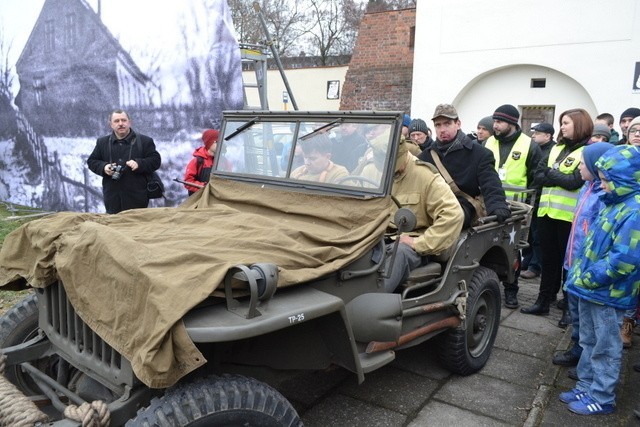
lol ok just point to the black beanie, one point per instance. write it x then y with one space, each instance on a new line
418 125
507 113
630 112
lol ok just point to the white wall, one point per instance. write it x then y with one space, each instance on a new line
309 87
482 54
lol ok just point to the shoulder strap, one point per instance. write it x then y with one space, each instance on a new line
443 171
445 174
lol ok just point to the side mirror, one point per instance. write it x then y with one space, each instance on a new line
405 220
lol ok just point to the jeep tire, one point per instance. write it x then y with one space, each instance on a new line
18 325
466 351
228 400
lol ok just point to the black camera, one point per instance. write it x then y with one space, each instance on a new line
117 172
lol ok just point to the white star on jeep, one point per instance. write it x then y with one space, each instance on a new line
512 236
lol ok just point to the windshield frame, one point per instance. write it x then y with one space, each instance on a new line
303 126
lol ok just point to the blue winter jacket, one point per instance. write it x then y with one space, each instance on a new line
608 269
589 203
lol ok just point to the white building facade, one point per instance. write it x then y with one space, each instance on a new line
314 89
542 56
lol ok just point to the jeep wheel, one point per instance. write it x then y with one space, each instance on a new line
466 351
228 400
19 324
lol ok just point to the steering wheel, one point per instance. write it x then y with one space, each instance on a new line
358 178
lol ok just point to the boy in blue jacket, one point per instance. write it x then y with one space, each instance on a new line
605 278
587 210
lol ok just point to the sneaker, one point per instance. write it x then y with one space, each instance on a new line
627 332
587 406
528 274
573 395
573 374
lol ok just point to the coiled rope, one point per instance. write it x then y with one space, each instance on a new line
16 410
94 414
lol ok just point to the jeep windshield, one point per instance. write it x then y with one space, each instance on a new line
338 152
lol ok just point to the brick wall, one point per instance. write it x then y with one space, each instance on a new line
380 71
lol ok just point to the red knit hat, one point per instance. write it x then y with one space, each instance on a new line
209 136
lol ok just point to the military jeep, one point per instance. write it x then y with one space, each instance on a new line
163 314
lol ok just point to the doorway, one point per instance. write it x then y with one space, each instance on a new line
534 114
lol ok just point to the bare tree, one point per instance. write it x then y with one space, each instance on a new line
382 5
286 21
245 21
334 27
6 70
211 73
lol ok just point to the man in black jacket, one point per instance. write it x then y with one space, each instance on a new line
124 159
471 166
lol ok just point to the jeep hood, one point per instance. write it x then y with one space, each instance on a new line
132 276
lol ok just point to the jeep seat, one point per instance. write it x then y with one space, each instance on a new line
429 271
433 268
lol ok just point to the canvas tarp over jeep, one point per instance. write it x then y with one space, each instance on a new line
146 310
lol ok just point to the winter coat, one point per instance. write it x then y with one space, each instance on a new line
198 169
587 210
130 191
471 167
506 143
548 177
439 217
589 202
607 271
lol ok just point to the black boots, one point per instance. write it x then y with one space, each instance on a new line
566 319
511 298
566 315
541 306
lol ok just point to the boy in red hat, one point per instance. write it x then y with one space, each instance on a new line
199 168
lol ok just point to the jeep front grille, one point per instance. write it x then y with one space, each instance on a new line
78 343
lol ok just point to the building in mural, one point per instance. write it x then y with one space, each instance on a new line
72 66
77 65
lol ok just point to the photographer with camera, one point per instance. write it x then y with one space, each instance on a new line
124 159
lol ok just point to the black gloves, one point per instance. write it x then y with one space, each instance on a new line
502 214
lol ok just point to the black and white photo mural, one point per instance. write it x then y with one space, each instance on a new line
66 64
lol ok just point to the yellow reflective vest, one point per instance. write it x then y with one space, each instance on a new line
557 202
514 170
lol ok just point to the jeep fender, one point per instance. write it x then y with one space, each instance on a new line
289 308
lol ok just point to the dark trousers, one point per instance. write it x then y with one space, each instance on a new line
531 255
553 235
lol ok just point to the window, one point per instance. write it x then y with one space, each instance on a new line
49 35
38 88
70 31
538 83
333 89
